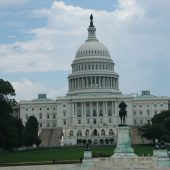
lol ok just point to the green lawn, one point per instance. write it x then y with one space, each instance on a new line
71 153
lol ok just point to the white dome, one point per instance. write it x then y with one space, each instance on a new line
92 48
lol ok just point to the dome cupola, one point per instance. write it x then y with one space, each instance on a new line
93 68
92 47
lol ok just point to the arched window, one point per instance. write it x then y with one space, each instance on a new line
111 132
71 132
87 132
79 133
95 132
103 132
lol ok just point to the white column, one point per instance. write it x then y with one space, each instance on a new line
95 84
104 82
72 106
82 107
91 109
106 108
97 109
91 81
103 108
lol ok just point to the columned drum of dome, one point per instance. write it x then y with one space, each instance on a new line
93 69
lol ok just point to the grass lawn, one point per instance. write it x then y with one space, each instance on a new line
71 153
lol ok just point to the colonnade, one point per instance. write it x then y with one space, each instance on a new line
93 82
81 109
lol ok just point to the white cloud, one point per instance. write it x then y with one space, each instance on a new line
136 34
26 89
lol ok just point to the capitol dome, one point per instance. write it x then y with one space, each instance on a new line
93 68
92 48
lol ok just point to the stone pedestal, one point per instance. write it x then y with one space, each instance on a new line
87 160
123 145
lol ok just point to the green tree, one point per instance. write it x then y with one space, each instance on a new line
8 131
19 129
159 128
31 131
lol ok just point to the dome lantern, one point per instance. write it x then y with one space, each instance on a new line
91 29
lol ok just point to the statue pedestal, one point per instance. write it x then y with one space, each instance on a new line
87 160
123 145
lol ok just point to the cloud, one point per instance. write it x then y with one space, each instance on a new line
26 89
136 34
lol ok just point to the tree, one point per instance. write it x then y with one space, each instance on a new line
8 131
159 128
31 131
19 129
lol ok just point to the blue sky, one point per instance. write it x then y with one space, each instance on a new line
39 39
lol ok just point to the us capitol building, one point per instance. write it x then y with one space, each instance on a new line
90 108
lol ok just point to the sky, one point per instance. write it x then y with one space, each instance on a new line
39 40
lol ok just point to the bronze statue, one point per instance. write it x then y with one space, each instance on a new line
122 112
91 21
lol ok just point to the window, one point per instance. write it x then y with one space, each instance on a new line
32 108
79 133
134 105
140 105
40 116
109 112
79 121
140 113
47 108
110 120
103 132
111 132
64 105
53 108
100 113
94 113
94 121
88 113
64 122
40 108
48 124
26 116
26 109
64 113
155 105
161 105
71 132
54 116
88 121
134 112
101 120
40 124
134 122
141 121
87 132
48 116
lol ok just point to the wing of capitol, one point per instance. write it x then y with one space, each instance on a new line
89 112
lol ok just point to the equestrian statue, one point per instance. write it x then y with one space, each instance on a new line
122 112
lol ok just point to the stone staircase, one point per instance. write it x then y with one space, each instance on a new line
137 138
50 137
55 137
